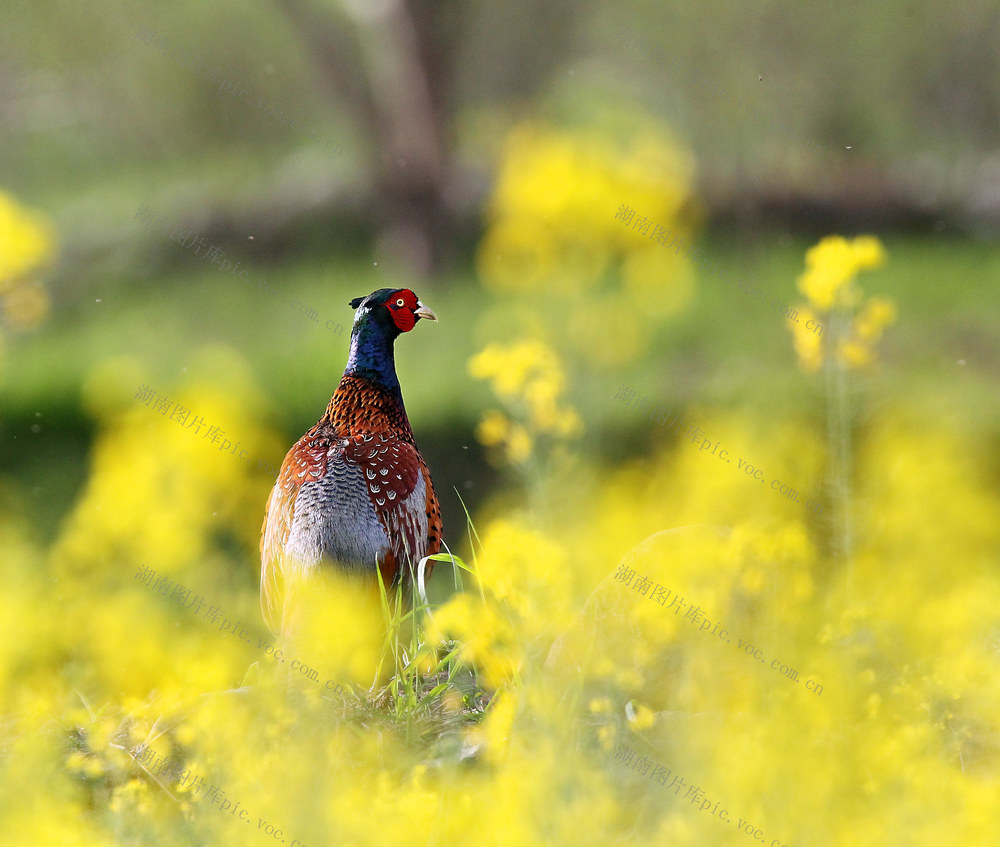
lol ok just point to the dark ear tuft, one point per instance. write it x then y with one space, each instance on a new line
357 301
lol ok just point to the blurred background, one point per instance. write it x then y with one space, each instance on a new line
623 215
332 148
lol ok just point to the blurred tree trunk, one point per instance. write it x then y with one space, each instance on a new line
393 71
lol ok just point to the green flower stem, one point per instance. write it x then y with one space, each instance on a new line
839 437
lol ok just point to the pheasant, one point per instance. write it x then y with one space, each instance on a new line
354 491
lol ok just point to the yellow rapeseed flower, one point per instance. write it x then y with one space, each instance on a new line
27 245
27 242
606 736
509 367
519 444
600 706
830 266
493 429
485 638
497 727
877 314
868 252
569 424
640 717
553 233
808 343
854 354
528 377
825 324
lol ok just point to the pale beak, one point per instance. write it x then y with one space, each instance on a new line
425 312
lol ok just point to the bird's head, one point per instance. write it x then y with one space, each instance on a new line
393 310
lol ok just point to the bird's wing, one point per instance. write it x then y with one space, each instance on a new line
402 496
434 524
305 462
359 500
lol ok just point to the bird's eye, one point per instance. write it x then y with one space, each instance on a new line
400 302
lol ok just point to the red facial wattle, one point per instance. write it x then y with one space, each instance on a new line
402 306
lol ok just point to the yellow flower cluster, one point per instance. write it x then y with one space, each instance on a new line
529 378
27 246
553 236
583 663
836 319
162 480
832 265
486 638
552 210
523 577
857 349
